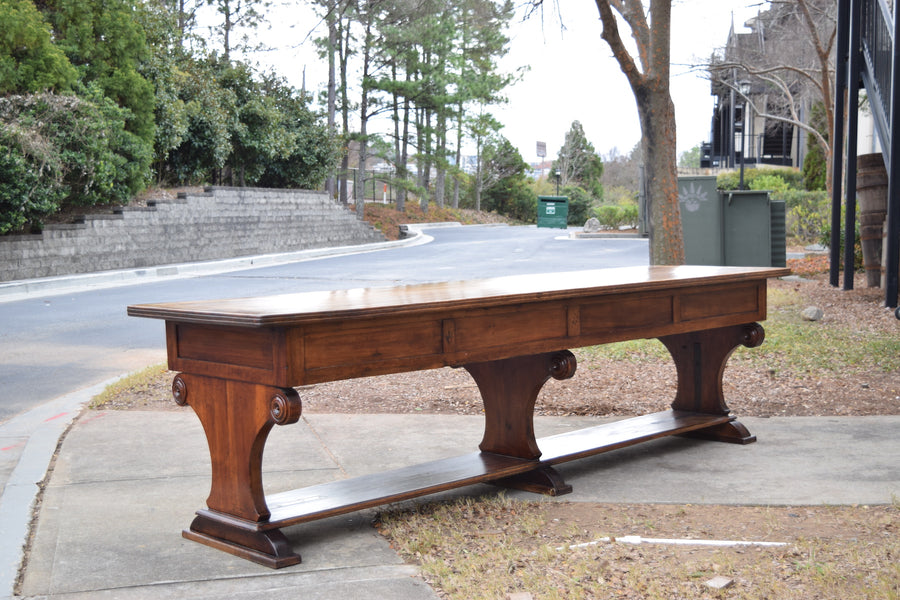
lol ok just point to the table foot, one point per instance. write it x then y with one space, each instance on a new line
544 480
731 433
268 548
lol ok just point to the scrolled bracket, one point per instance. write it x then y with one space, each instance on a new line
285 407
753 335
563 364
179 391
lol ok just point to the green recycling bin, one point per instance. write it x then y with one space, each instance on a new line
553 211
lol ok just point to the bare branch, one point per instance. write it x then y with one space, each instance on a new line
632 12
760 72
611 35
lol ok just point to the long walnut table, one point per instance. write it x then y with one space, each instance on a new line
240 360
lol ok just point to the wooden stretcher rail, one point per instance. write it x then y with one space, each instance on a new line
240 361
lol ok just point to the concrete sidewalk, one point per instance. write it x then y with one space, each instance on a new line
126 483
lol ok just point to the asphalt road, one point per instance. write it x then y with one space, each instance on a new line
50 346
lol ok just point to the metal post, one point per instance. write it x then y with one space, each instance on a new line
837 177
731 121
852 126
892 264
743 146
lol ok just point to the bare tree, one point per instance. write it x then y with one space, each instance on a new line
788 60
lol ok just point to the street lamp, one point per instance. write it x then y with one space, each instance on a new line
557 181
745 89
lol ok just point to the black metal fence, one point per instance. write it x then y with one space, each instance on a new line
877 45
378 186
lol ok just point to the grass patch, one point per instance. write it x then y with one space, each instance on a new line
132 383
493 547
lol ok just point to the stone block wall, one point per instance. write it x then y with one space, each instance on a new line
220 223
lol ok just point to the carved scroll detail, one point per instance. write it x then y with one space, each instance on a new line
562 365
753 335
285 407
179 391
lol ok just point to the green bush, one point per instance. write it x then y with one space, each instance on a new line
30 172
814 166
793 178
513 197
579 205
614 216
772 183
808 213
78 150
29 60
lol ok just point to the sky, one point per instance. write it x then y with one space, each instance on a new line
572 76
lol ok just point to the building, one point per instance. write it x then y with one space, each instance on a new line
745 128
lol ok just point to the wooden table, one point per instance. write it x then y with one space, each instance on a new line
240 360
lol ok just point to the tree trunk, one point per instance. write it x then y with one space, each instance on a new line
344 51
458 172
441 175
657 117
360 186
332 95
403 170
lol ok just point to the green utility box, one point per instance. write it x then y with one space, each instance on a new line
553 211
730 228
701 220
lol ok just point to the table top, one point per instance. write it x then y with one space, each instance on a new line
308 307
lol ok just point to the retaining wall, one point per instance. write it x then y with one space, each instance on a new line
219 223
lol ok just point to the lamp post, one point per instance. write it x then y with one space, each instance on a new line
745 89
557 181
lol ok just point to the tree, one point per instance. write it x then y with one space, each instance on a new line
29 61
479 82
649 81
578 164
503 181
105 43
815 163
623 170
236 15
309 150
244 129
430 65
483 127
690 158
184 13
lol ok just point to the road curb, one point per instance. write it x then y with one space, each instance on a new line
44 426
12 291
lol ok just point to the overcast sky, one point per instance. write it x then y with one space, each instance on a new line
572 75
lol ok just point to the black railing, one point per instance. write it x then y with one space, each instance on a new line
877 45
879 70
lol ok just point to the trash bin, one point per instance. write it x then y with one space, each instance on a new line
553 211
747 229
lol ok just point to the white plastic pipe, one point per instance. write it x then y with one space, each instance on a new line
636 540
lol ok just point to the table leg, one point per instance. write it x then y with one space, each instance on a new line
237 418
700 359
509 388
